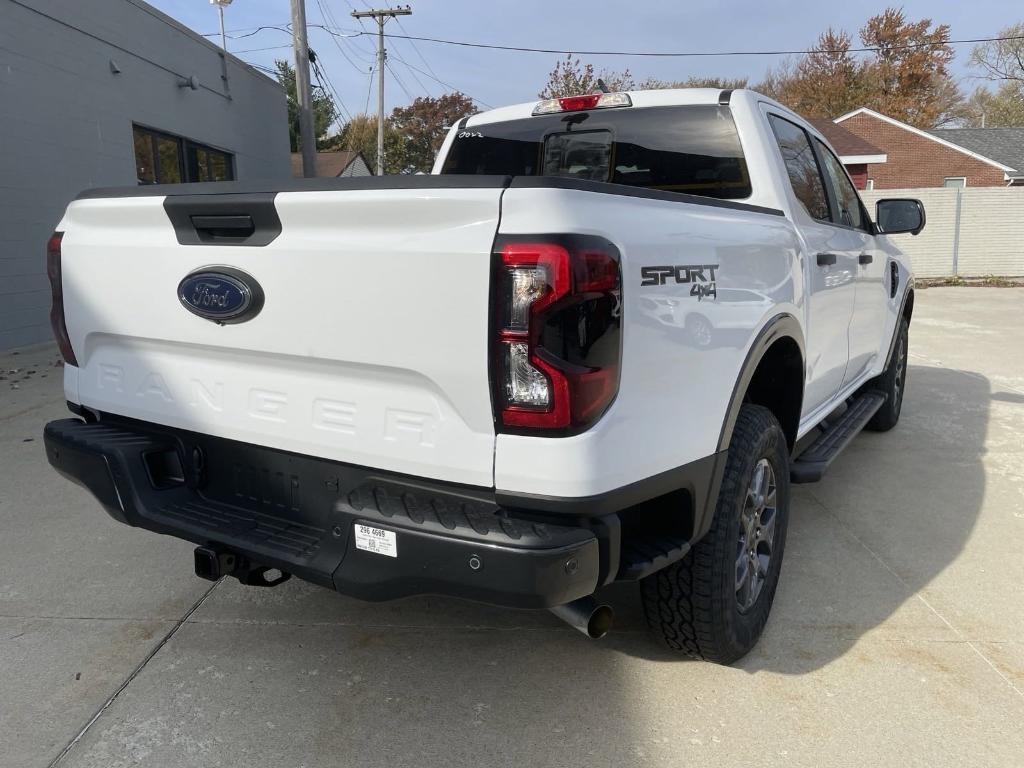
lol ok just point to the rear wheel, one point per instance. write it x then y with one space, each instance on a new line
892 383
714 603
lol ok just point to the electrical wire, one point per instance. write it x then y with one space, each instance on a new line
322 77
414 76
369 90
399 81
674 54
254 50
583 52
261 68
362 26
324 14
449 86
416 48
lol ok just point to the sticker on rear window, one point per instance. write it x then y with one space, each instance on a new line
376 540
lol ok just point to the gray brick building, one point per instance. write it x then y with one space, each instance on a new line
113 92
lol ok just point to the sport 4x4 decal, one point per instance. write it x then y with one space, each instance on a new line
702 276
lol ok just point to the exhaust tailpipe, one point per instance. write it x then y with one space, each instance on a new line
591 618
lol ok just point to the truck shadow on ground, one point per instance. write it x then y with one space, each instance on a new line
893 511
298 672
891 514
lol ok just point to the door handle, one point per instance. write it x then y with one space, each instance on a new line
221 225
865 258
825 259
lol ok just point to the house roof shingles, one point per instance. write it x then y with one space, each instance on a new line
328 164
1004 145
845 142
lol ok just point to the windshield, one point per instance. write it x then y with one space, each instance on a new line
681 149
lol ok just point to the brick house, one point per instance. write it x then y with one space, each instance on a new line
855 153
919 158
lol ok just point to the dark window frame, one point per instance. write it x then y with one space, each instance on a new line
820 147
826 187
186 150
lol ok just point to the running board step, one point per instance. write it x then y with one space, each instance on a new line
811 464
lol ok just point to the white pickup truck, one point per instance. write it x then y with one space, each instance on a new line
598 343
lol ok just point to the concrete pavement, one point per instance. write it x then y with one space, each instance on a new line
896 638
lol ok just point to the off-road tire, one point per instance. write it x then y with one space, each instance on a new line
892 383
692 605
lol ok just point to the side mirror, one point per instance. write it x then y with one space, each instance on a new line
894 216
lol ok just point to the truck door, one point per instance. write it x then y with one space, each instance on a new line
869 306
830 269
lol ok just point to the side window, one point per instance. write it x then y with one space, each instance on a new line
804 174
849 212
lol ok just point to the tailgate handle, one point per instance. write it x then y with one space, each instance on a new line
212 227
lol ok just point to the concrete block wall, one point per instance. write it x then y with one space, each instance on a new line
66 122
988 241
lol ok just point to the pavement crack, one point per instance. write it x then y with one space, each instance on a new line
127 681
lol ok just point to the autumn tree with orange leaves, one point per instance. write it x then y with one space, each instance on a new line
905 76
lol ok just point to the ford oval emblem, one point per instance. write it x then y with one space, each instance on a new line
221 294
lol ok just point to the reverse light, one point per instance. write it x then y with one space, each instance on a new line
57 322
556 304
578 103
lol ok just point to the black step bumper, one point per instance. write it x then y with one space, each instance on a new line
297 514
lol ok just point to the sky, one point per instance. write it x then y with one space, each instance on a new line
495 78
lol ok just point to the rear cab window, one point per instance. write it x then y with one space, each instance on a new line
689 149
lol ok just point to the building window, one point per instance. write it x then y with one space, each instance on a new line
162 158
954 181
869 185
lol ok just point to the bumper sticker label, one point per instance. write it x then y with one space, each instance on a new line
376 540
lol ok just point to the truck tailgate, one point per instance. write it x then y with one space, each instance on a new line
371 347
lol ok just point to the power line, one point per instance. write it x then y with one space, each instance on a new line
369 90
330 20
321 76
436 79
399 81
362 26
324 13
268 48
449 86
673 54
414 76
255 31
339 31
416 48
260 67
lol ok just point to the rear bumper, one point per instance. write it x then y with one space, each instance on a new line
297 513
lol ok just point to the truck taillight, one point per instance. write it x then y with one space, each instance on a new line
556 305
60 328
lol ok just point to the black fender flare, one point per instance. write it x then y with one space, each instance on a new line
780 326
908 293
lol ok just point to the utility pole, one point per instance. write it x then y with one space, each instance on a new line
381 16
307 139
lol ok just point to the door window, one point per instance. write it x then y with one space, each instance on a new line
847 199
802 167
